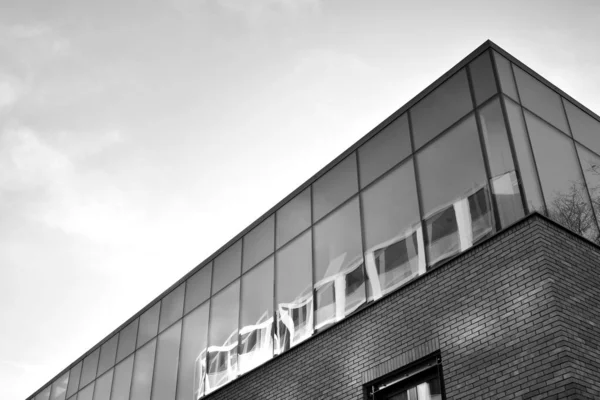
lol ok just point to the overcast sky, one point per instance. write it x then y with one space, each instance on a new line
137 136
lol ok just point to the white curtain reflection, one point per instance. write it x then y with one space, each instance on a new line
256 343
222 363
294 321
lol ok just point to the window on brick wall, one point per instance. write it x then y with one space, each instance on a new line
418 382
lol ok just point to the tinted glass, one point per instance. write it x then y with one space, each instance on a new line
256 329
59 387
339 271
507 193
122 379
384 150
171 308
143 367
148 325
44 394
454 192
294 293
585 128
127 338
505 74
259 243
86 393
197 290
223 337
192 365
227 266
482 76
393 236
103 384
441 108
90 366
540 99
167 361
74 376
293 217
566 196
590 164
336 186
108 352
524 156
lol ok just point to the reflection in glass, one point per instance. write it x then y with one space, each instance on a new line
74 376
590 164
441 108
566 196
585 128
127 338
59 387
171 308
197 288
103 384
108 352
482 75
259 243
222 360
143 367
506 76
86 393
167 360
293 217
122 379
192 365
148 325
505 189
90 365
227 266
340 280
384 150
44 394
336 186
294 293
395 251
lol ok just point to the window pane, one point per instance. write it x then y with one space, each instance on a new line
564 191
338 265
590 164
505 75
108 352
59 387
227 266
127 338
585 128
482 75
527 168
441 108
122 379
103 384
87 393
293 217
143 367
167 360
508 198
259 243
540 99
197 290
223 337
256 330
192 366
395 252
148 325
384 150
74 376
171 308
90 365
454 192
335 187
44 394
294 293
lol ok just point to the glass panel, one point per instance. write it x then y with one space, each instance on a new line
256 329
192 366
508 198
90 365
148 325
197 290
482 75
259 243
294 293
223 337
108 352
59 387
585 128
74 376
143 367
44 394
167 360
527 168
339 272
127 338
87 393
103 384
228 266
171 308
590 163
441 108
454 192
540 99
395 251
384 150
505 75
293 217
560 175
335 187
122 379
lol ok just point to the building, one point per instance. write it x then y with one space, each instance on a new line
452 253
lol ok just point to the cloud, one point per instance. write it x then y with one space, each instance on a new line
259 10
11 90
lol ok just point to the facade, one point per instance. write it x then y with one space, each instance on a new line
451 253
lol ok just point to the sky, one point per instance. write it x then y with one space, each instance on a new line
138 137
